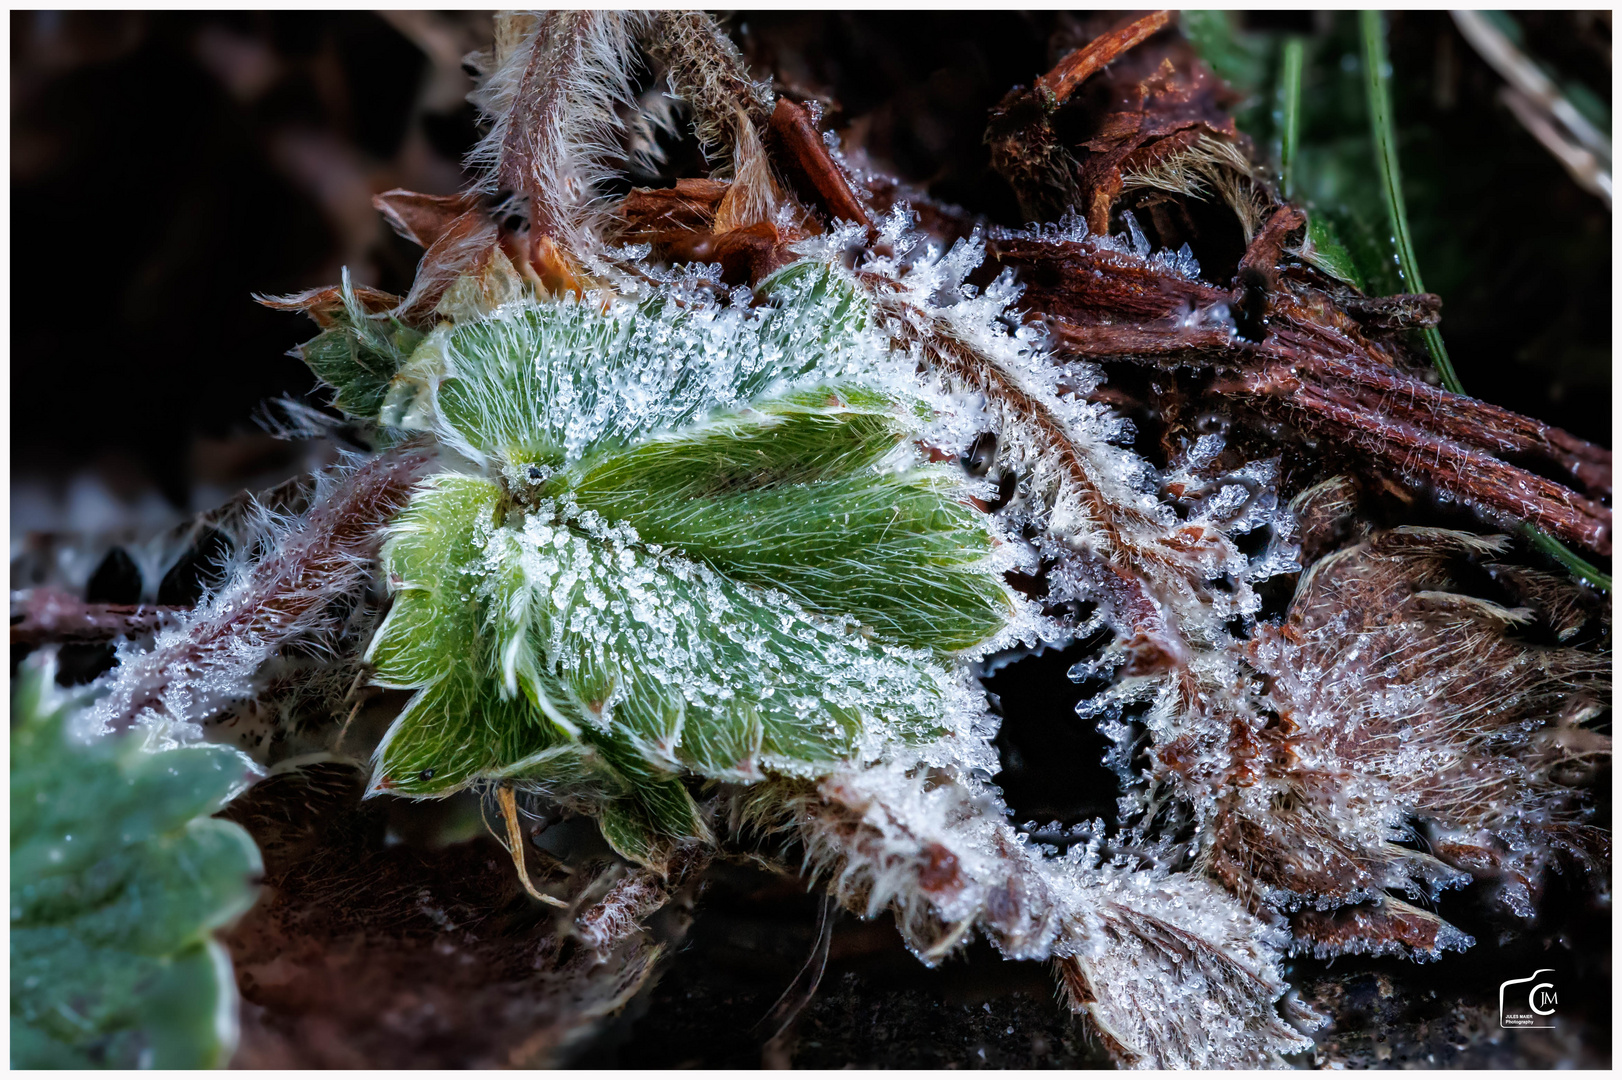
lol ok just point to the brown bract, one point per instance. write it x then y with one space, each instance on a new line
691 222
679 225
805 160
326 305
422 219
1377 927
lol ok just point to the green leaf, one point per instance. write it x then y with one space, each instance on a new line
514 387
1324 250
787 499
118 879
359 356
706 548
461 726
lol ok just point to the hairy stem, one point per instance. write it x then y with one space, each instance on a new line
288 594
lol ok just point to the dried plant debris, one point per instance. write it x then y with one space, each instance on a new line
370 952
698 514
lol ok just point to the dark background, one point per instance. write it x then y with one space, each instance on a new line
166 166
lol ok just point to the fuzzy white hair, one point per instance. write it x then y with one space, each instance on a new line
552 96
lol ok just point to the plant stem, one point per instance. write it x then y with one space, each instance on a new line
1291 67
1382 127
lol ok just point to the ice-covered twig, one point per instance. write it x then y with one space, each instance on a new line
1139 952
1140 562
1466 473
211 658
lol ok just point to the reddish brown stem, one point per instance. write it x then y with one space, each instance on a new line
1475 423
53 615
286 596
1418 454
1318 365
1077 67
1261 258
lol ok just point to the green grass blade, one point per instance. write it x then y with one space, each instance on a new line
1377 77
1291 67
1566 557
1382 127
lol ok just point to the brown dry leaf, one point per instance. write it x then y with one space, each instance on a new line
1393 696
676 222
422 219
1128 100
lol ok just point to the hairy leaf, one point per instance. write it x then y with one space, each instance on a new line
701 545
358 355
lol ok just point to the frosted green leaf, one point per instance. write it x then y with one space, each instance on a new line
702 547
787 498
118 879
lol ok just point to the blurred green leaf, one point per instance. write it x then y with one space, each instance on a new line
1240 60
118 879
1246 62
1305 104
